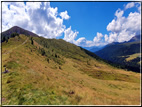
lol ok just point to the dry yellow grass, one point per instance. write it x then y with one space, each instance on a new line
133 56
32 80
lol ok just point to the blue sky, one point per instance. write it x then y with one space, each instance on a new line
90 17
85 24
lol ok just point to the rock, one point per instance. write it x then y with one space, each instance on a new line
6 71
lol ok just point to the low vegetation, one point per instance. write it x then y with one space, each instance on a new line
54 72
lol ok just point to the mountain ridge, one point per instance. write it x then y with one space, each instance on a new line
16 29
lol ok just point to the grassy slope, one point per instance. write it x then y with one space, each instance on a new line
133 56
32 80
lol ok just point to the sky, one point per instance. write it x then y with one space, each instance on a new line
84 24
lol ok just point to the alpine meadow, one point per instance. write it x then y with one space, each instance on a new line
45 61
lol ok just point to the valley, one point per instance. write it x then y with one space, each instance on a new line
125 55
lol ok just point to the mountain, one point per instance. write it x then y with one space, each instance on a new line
135 38
54 72
16 30
126 54
96 48
93 48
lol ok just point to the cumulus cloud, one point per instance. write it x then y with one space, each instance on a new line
64 15
119 13
133 4
38 17
81 41
98 37
70 35
130 5
112 37
106 37
116 24
13 14
97 41
124 28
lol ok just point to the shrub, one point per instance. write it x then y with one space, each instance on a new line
42 51
14 34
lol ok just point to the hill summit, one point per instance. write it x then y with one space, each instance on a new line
17 30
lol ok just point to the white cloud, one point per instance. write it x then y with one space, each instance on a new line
69 35
124 28
97 41
98 37
133 4
39 17
125 35
83 42
119 13
106 37
64 15
130 5
33 5
112 37
16 14
116 24
138 5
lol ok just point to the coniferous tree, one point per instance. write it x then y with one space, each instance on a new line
32 41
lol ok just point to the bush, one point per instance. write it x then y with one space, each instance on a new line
42 51
47 60
60 67
4 39
14 34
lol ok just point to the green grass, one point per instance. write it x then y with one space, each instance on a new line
12 65
99 74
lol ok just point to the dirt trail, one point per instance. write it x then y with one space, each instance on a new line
15 47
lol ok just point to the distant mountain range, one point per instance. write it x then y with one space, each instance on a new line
97 48
93 48
126 54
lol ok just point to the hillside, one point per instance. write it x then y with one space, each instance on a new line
126 54
55 72
15 30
